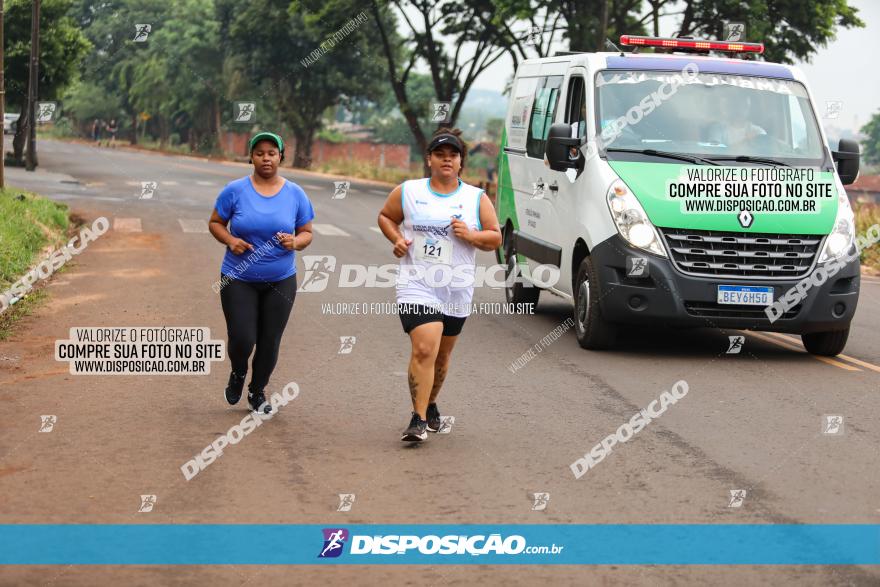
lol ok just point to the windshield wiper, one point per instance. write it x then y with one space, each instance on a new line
750 159
667 154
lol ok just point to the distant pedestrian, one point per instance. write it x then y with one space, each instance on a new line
96 130
112 129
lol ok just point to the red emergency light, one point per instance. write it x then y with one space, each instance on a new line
672 43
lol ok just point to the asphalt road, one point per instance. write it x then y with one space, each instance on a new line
751 421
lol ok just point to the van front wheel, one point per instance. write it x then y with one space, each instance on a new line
827 344
592 330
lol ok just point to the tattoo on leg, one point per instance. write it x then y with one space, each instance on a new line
439 377
413 387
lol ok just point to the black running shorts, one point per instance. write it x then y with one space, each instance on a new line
412 315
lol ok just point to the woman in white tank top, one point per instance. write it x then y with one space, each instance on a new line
436 225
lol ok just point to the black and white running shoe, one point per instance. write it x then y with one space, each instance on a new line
434 421
234 388
417 431
258 403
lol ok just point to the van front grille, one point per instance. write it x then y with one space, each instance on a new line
714 253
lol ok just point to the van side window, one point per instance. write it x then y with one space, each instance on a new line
576 106
521 103
543 113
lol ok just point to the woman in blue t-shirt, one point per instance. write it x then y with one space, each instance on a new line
269 218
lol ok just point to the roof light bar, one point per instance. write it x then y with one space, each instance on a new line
671 43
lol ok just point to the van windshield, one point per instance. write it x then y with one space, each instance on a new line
714 116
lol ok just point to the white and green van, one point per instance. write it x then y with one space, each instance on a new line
612 169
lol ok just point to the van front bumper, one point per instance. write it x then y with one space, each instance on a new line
664 295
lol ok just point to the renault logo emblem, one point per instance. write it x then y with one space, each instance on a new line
745 218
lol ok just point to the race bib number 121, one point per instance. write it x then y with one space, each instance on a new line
432 249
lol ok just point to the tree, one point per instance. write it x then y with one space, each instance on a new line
456 41
509 19
392 127
84 102
871 144
588 23
452 74
112 63
178 78
494 128
790 29
303 62
62 49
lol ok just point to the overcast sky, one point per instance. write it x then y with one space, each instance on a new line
846 70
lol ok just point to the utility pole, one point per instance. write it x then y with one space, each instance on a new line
31 156
2 107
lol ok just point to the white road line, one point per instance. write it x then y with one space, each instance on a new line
376 229
85 197
329 230
193 225
205 183
168 183
127 225
133 183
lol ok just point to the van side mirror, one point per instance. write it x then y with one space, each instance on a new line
559 142
847 158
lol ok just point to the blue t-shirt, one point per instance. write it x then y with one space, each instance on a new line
256 219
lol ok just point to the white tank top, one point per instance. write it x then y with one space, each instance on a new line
438 268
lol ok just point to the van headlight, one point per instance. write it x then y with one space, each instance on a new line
842 237
631 221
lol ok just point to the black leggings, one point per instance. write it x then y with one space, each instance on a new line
256 313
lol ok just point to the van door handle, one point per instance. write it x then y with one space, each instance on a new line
554 187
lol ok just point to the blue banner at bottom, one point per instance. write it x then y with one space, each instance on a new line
613 544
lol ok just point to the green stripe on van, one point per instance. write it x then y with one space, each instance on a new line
505 202
648 181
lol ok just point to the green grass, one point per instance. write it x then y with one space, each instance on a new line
146 143
54 131
867 215
154 145
28 224
23 308
366 170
